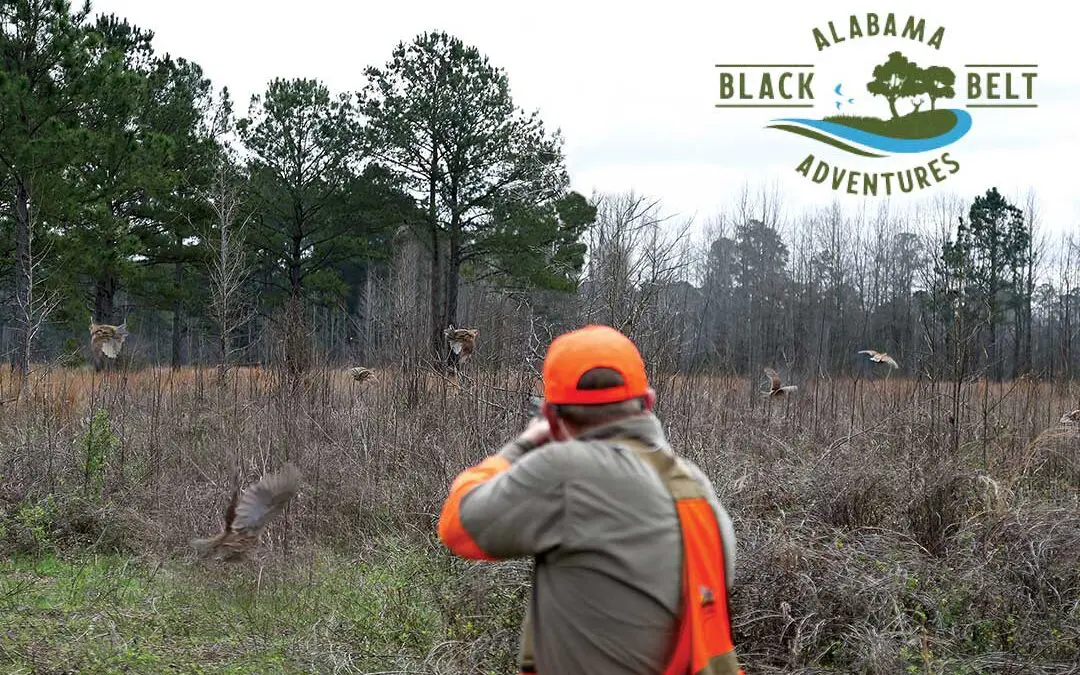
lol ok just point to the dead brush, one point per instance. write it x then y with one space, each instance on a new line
866 543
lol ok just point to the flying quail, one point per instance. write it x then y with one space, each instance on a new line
107 340
248 515
360 374
778 390
880 357
462 341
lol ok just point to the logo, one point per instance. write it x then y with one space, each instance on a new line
895 108
706 596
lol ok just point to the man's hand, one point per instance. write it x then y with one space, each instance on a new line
536 433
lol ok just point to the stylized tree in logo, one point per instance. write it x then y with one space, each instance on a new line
894 79
938 83
900 78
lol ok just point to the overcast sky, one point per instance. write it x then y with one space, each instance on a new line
633 89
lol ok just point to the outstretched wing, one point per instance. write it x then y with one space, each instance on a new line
111 347
456 347
869 352
774 376
890 360
261 502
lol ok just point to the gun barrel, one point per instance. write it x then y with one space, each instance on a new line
534 406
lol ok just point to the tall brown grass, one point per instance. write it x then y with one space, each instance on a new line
865 542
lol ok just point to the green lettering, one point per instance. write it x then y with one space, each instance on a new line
766 90
1029 77
851 182
920 175
945 160
974 89
835 38
935 39
820 40
727 86
870 184
888 182
872 25
890 26
938 176
900 178
783 91
913 31
853 27
837 177
804 166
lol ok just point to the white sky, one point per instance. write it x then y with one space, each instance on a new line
633 88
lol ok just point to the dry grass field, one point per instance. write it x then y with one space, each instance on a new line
884 526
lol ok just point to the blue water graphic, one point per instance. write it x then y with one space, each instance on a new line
886 144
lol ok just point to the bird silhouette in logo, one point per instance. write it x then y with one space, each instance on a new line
839 103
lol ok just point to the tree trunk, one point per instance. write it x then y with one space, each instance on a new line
23 335
295 261
177 323
437 317
104 296
453 270
892 107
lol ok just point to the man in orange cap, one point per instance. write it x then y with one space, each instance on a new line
634 553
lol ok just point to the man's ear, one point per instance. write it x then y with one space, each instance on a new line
558 429
650 399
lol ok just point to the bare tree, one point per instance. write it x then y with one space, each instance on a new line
34 304
633 256
228 265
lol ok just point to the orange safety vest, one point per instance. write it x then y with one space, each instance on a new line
703 644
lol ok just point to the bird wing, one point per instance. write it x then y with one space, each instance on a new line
774 376
890 360
263 501
230 513
791 388
456 347
869 352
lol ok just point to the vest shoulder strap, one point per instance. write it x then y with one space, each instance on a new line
672 470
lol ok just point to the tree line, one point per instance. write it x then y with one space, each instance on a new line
355 226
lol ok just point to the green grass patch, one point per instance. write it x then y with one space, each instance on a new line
320 613
926 124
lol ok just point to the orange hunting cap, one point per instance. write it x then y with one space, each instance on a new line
573 354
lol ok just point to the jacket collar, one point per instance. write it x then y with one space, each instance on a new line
644 427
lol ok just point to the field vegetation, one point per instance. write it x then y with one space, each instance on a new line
865 542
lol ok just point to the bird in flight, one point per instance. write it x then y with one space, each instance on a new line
360 374
462 342
249 514
107 340
881 357
777 389
838 103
